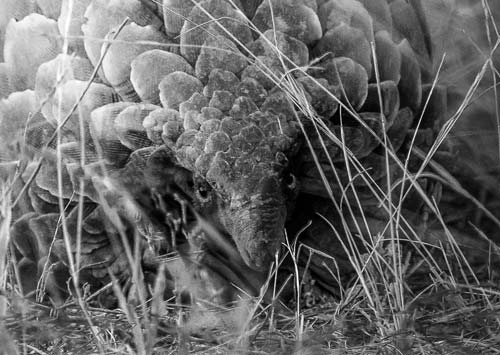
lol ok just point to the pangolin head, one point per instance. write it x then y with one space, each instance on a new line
242 178
235 130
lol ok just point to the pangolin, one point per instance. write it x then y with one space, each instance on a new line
225 109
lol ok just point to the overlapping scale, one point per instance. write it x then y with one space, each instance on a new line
407 26
27 245
177 87
150 67
102 16
249 7
351 77
129 126
130 42
433 111
13 9
294 18
351 12
39 132
388 57
28 252
163 125
68 95
5 88
383 97
50 8
410 87
155 6
175 12
16 111
284 49
219 52
380 13
48 180
100 253
54 73
70 23
28 43
104 134
346 41
398 131
206 20
325 96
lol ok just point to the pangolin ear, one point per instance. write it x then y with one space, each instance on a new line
165 175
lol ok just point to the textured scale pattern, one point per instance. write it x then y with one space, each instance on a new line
199 111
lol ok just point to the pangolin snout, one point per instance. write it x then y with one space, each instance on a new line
261 250
257 226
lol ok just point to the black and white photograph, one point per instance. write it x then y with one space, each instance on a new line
285 177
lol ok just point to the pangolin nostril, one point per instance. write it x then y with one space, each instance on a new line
264 250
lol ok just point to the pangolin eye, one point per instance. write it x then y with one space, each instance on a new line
290 181
203 192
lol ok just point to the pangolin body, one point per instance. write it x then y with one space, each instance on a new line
214 104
